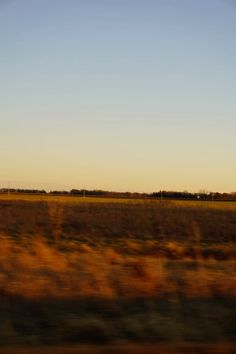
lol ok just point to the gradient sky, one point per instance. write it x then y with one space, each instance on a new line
134 95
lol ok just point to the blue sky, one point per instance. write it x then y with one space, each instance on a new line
118 94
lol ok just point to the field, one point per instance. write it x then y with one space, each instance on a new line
114 273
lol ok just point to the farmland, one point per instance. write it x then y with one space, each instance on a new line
100 271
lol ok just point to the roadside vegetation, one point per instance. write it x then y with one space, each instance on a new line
77 270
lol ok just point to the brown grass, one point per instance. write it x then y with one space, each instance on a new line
109 250
79 270
41 270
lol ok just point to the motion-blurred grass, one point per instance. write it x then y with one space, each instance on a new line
81 270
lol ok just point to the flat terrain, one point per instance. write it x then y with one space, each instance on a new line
81 271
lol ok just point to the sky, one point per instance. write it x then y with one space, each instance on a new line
122 95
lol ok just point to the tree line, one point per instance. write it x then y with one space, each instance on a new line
185 195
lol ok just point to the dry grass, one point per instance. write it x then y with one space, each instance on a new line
90 270
111 250
41 270
219 205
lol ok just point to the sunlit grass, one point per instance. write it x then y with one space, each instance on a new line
87 199
40 270
95 270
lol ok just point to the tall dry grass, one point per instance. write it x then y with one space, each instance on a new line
96 272
109 250
56 213
42 270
